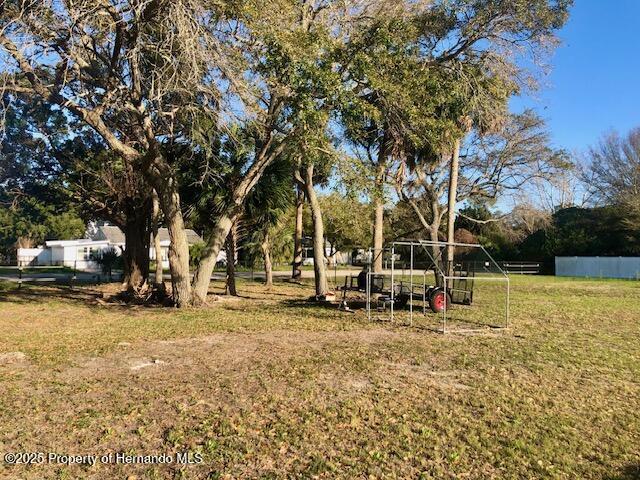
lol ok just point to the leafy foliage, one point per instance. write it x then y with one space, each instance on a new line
195 253
268 212
347 221
109 260
36 204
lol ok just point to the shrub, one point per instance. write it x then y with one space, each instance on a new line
109 260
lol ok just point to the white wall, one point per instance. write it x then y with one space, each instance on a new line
34 256
57 255
74 255
164 256
598 267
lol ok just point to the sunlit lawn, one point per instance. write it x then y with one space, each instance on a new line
270 386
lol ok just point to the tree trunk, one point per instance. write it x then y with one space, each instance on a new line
378 202
378 237
209 257
155 224
24 242
230 250
178 245
266 256
436 251
319 270
451 205
431 226
296 273
136 250
222 226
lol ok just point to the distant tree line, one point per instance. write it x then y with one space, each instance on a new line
592 209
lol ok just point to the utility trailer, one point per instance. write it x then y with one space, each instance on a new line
402 292
460 291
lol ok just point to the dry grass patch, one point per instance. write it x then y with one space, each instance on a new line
270 387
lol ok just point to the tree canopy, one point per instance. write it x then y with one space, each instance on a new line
211 108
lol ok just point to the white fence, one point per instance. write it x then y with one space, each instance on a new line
598 267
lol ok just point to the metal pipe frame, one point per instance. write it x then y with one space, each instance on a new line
500 275
393 258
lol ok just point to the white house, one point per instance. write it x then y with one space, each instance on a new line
115 237
76 254
34 256
333 257
79 253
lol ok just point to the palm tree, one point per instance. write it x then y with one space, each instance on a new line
266 208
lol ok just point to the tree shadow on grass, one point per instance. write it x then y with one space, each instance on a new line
107 295
309 303
40 293
630 472
88 295
382 318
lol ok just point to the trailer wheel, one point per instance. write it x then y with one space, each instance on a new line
438 300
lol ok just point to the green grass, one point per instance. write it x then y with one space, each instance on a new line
270 387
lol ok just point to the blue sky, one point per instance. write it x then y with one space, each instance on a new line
594 84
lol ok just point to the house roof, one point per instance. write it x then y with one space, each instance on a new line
192 236
76 242
111 233
114 235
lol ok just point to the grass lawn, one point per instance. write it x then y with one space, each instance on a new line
267 386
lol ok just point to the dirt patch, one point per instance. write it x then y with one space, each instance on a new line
222 299
221 350
347 385
13 357
140 364
447 379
